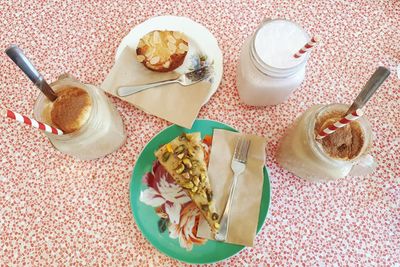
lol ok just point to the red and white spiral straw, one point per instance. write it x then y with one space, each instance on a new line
31 122
307 47
340 123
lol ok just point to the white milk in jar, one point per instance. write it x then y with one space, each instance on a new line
267 71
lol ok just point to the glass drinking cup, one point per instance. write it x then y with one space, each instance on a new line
301 154
261 84
101 134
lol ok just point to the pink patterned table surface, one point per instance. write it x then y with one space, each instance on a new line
55 209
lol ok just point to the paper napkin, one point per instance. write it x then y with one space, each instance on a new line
247 198
174 102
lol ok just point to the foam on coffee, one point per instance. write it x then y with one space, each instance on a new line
71 109
346 143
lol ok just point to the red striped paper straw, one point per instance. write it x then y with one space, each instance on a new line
307 47
340 123
31 122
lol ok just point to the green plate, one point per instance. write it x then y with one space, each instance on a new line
147 219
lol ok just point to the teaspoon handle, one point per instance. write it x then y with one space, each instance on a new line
19 58
379 76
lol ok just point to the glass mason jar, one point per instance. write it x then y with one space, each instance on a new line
301 154
260 83
101 134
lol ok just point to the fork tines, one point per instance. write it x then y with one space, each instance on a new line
199 74
241 149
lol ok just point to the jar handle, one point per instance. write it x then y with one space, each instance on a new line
64 76
265 20
363 166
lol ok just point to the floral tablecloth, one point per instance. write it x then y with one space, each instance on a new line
56 210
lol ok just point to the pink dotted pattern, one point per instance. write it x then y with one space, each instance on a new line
55 209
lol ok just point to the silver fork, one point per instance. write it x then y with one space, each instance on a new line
238 166
185 79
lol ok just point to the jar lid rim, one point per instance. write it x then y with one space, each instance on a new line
262 64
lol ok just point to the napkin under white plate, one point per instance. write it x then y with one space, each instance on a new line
175 103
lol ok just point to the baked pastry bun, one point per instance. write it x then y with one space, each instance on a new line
162 51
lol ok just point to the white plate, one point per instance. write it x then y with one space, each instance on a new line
201 42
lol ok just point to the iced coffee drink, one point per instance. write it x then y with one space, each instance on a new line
345 143
332 157
70 111
92 126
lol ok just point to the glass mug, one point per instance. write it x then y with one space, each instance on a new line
101 134
301 154
262 83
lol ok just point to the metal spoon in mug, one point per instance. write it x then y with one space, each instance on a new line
19 58
369 89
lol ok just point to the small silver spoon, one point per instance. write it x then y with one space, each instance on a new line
184 79
19 58
369 89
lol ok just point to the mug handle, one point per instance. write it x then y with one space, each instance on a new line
65 76
363 166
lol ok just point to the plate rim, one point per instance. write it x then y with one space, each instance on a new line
134 213
218 69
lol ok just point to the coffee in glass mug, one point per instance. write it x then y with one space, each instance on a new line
342 153
92 126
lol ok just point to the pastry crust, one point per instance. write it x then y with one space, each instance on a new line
183 159
162 51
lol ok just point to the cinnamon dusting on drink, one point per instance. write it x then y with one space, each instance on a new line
345 143
71 109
